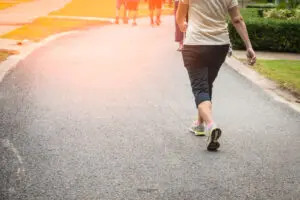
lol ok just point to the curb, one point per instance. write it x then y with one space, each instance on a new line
270 87
12 61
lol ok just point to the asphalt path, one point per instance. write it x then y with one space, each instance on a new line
103 114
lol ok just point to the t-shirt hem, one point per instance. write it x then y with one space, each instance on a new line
206 43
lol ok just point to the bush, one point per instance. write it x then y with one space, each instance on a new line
293 3
269 35
261 12
285 14
261 5
249 12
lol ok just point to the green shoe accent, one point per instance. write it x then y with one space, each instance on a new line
197 129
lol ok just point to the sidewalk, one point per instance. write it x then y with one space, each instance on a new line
23 13
268 55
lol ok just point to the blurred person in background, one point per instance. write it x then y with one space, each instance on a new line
179 36
119 3
155 5
132 7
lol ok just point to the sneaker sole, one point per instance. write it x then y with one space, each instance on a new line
197 133
213 143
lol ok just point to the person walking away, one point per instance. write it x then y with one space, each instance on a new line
119 3
205 48
155 5
179 36
132 6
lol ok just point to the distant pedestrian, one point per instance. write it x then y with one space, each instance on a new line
179 35
205 48
155 5
132 6
118 8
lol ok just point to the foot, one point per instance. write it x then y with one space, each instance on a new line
214 133
158 22
152 23
125 21
197 129
116 21
180 48
134 24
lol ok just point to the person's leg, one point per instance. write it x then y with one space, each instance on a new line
151 11
178 34
203 63
198 75
158 11
118 6
180 45
215 63
220 51
134 10
126 12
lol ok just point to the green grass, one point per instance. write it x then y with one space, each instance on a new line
4 54
99 8
284 72
249 13
44 27
92 8
261 1
6 4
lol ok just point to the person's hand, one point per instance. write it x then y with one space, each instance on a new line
251 56
183 26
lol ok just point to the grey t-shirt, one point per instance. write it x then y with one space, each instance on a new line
207 21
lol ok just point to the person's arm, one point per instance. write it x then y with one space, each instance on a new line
181 14
240 26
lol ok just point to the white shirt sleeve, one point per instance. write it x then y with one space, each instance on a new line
232 3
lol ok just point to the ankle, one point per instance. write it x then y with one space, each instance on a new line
209 124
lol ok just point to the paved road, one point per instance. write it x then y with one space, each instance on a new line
103 114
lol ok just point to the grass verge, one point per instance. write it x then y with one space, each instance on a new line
285 72
4 5
44 27
4 54
92 8
7 4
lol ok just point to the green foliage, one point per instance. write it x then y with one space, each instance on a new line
249 13
260 12
286 14
268 34
293 3
282 5
261 5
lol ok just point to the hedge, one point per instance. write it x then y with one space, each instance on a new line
269 35
260 5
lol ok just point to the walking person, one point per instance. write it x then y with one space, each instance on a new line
132 6
205 48
179 36
119 3
155 5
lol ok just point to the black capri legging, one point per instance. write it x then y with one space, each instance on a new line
203 63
